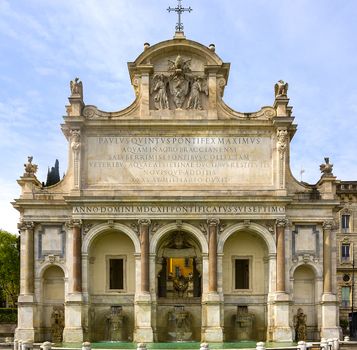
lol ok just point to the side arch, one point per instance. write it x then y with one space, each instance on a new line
316 269
253 227
98 229
197 233
40 272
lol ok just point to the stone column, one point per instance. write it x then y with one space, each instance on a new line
327 228
73 331
144 225
27 250
329 303
26 307
280 255
211 301
77 257
281 303
143 303
212 254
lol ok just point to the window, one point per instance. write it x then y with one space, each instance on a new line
345 296
241 273
345 222
345 251
116 273
346 278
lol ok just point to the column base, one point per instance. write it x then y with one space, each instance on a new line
73 331
212 332
142 308
213 335
281 331
73 335
143 335
25 325
329 311
25 334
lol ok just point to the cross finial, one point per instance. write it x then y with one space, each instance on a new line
179 9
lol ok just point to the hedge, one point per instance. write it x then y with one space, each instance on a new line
8 315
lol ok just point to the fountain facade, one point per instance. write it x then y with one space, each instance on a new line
57 324
179 324
244 323
115 324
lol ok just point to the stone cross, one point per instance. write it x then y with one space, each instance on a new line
179 9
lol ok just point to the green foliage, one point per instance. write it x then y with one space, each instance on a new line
8 315
9 266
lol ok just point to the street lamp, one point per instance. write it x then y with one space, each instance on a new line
352 329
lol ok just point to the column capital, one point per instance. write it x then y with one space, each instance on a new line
328 225
282 222
144 222
213 222
74 223
26 225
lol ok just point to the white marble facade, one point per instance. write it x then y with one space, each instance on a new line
178 175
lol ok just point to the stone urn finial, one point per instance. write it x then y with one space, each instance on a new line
326 168
30 169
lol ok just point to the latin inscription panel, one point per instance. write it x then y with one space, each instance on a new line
179 160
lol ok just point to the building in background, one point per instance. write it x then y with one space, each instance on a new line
346 255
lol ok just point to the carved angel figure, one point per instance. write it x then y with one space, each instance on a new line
160 87
326 168
281 88
30 169
76 87
194 100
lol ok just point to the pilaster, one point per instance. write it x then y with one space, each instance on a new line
143 304
329 302
281 330
211 302
26 309
73 331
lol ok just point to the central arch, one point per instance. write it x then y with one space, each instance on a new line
177 252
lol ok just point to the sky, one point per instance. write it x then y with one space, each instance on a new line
44 44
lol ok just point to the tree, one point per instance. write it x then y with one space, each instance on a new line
9 266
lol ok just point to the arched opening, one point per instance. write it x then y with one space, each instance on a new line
111 286
53 303
304 309
245 286
179 287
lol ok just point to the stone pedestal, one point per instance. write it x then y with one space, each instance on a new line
142 309
25 329
281 331
329 310
212 331
73 331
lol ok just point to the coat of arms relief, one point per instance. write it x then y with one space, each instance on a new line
179 88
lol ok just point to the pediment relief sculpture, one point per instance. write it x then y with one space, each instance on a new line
178 85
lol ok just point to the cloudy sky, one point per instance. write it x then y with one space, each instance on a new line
44 44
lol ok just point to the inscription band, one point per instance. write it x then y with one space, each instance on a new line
195 209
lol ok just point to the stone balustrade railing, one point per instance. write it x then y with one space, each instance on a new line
324 344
